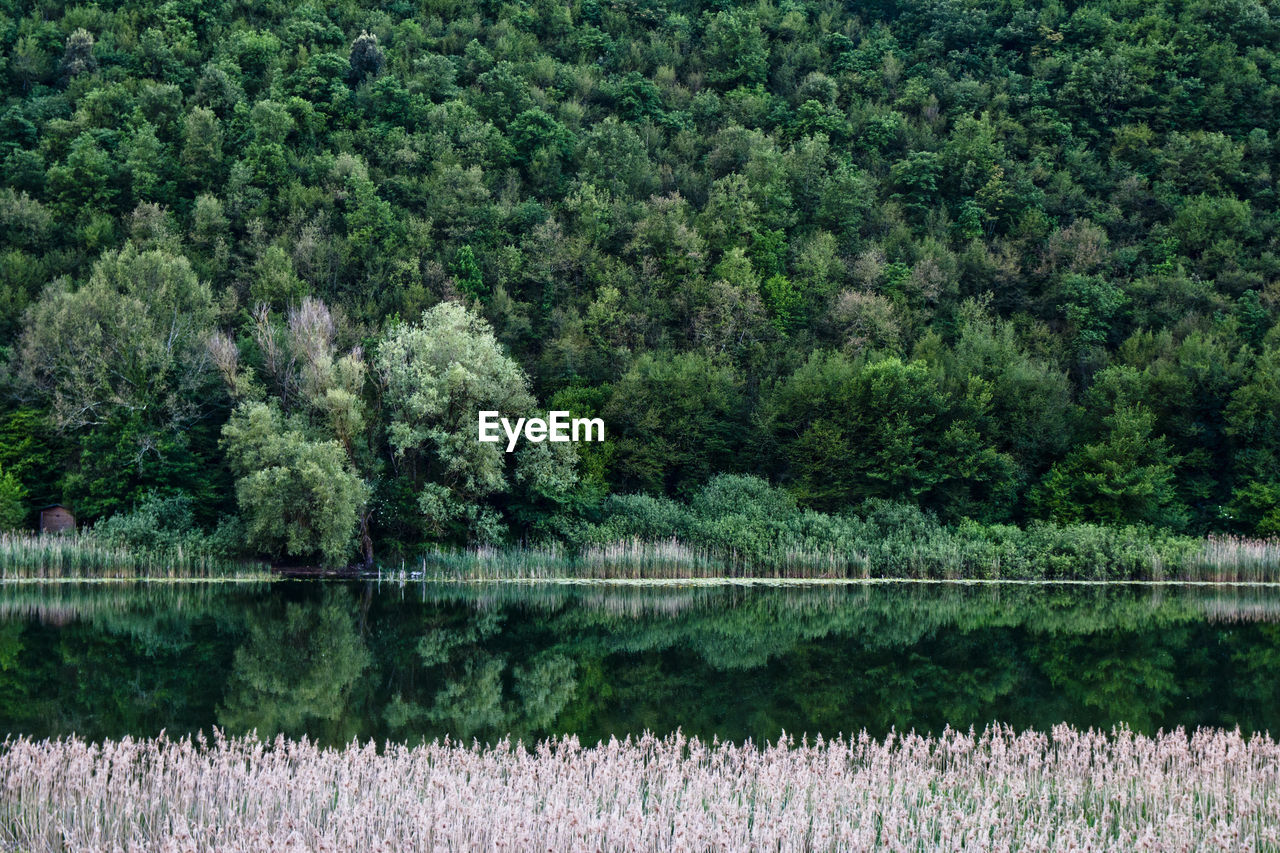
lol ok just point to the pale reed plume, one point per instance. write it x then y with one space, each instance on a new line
28 556
1062 790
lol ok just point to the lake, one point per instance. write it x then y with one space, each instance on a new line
335 661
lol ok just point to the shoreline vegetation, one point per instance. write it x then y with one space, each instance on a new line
1062 789
1072 555
1075 556
733 527
269 279
86 556
1040 553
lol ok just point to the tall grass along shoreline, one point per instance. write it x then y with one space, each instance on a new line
1065 789
83 556
1092 554
882 551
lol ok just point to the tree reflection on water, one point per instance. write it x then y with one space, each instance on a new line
341 661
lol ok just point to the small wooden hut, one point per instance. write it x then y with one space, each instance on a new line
56 518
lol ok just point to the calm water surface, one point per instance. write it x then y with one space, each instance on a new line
335 661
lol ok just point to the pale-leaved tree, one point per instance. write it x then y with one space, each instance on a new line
437 375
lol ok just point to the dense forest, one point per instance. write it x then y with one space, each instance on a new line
261 264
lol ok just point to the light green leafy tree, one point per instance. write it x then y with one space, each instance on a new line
132 339
736 50
466 271
784 301
316 391
438 374
298 495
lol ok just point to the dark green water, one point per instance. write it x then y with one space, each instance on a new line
337 661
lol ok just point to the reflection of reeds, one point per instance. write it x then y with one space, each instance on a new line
62 603
1047 606
1236 608
28 557
1052 607
1066 789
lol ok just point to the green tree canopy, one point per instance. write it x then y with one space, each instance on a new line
1125 478
437 375
298 495
848 430
676 420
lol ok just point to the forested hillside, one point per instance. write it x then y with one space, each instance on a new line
262 262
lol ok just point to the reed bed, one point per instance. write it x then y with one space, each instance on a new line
1060 790
668 559
1042 552
1234 559
81 556
629 559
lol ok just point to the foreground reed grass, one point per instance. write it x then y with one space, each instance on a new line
1063 790
24 556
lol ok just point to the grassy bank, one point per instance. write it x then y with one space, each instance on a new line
744 527
1064 790
1044 552
87 556
734 526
